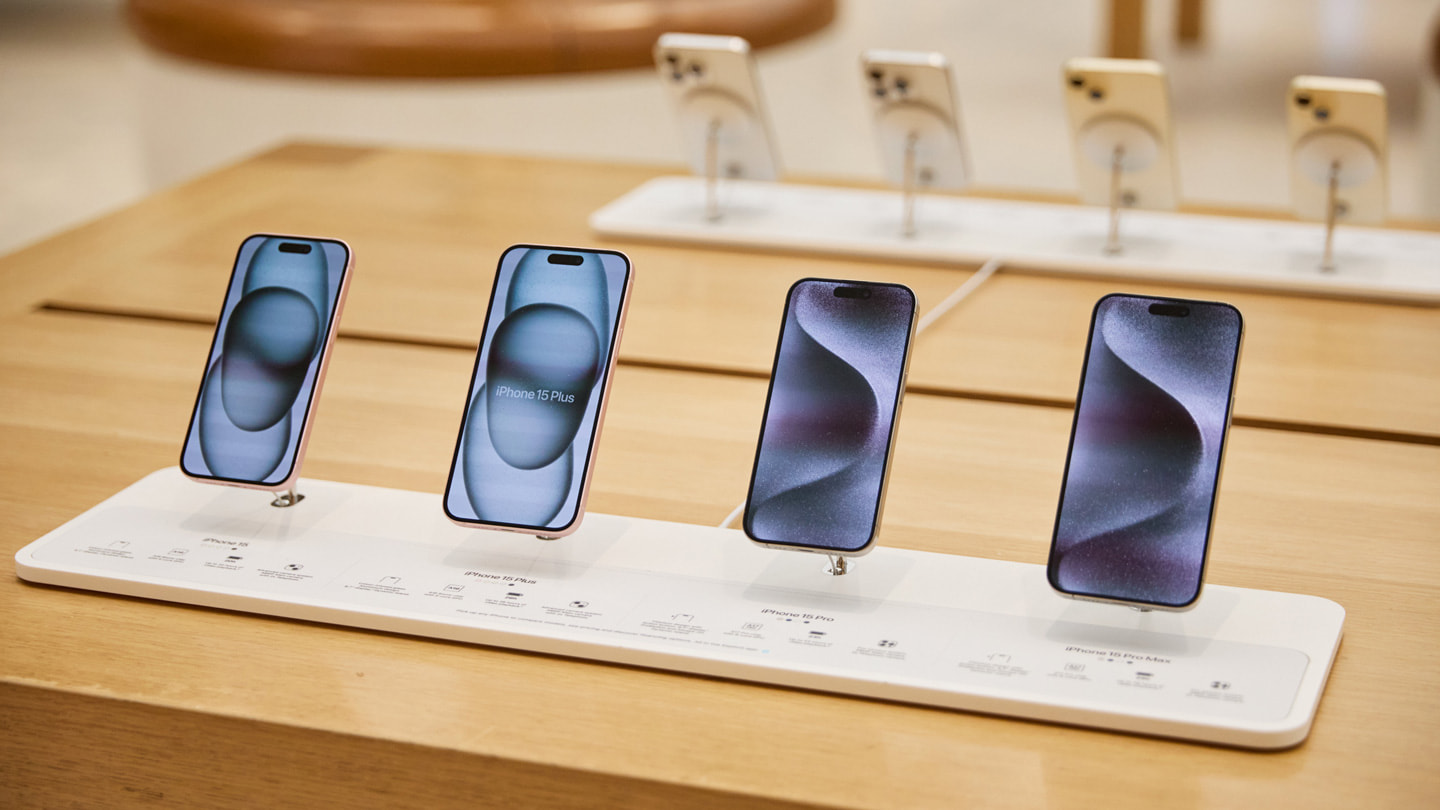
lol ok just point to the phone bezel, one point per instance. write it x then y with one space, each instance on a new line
890 443
331 330
602 401
1051 561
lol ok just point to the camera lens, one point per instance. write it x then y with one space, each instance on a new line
1322 114
1096 93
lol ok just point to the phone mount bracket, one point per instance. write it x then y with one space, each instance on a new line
1119 145
839 565
713 120
921 135
287 499
712 170
1335 160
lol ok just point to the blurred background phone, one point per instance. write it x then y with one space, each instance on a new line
1338 125
912 101
1121 103
715 90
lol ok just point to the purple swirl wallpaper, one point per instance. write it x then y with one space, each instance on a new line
258 382
529 426
1139 487
824 445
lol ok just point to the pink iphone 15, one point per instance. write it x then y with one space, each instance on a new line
536 402
267 362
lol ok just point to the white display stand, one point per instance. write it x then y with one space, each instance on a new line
1244 668
1156 245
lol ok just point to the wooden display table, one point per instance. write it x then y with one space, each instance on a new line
111 701
427 246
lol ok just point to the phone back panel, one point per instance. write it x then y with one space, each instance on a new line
712 81
1317 106
912 97
1132 91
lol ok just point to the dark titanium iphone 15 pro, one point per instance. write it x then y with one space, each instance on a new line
1137 503
830 417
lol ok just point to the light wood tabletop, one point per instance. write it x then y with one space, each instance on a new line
428 228
111 701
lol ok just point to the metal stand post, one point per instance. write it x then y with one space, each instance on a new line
287 498
839 566
1327 260
1112 240
712 170
907 189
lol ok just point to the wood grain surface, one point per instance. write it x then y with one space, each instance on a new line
93 403
427 229
116 702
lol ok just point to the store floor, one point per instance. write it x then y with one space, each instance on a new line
90 120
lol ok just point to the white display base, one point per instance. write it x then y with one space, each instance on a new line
1158 246
1244 668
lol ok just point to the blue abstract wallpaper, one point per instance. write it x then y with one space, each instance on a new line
529 424
1135 510
262 367
820 466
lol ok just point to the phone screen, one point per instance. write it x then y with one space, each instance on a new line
260 379
829 424
537 393
1138 496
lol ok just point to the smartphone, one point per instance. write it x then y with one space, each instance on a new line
1137 502
267 361
715 90
912 101
537 395
1339 122
831 416
1126 103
